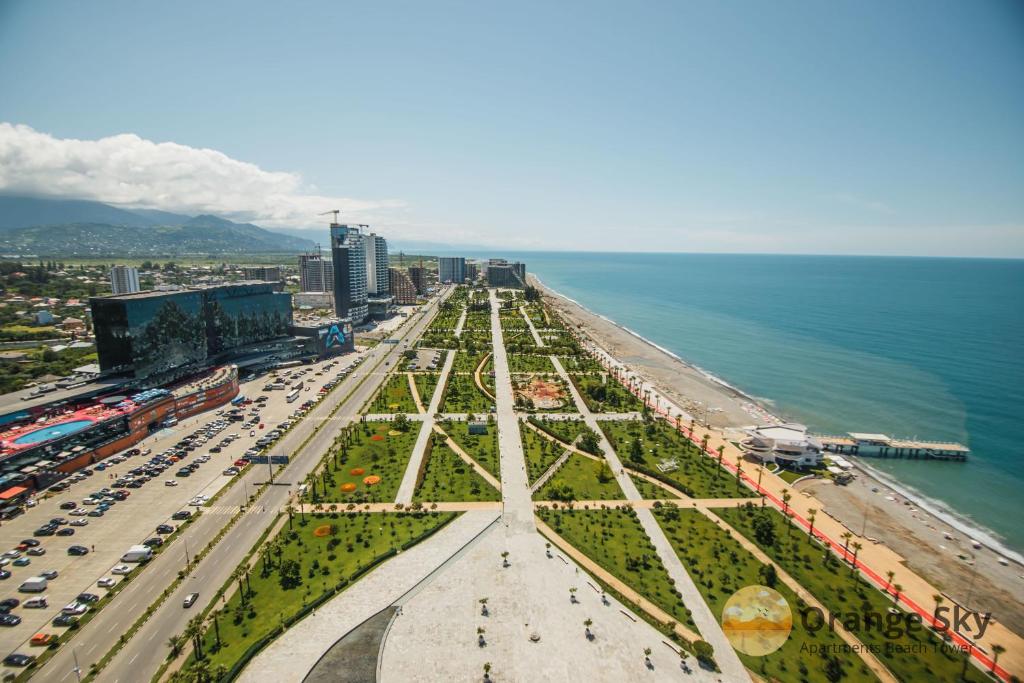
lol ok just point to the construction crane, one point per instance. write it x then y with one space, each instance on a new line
336 212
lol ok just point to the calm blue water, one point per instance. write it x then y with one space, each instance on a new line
904 346
62 429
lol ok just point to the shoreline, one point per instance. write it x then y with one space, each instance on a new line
920 550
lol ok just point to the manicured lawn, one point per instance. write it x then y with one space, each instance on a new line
540 452
478 321
577 361
512 320
567 431
615 540
463 396
299 566
447 477
720 566
913 656
606 396
426 382
651 491
481 447
467 362
394 396
373 448
581 478
643 445
520 341
528 363
476 341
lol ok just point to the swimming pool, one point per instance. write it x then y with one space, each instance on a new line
52 432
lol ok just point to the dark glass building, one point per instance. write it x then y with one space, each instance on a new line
168 333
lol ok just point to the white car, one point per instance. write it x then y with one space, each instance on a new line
170 482
121 569
78 512
90 501
79 522
75 609
106 582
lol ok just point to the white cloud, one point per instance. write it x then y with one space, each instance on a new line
131 172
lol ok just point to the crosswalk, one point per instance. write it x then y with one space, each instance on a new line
232 510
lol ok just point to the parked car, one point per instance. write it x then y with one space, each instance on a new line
78 550
17 659
66 531
121 569
106 582
9 620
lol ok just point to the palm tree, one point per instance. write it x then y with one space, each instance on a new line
853 563
237 575
647 656
889 575
587 624
996 651
846 541
572 594
786 497
174 642
194 630
721 452
216 626
483 606
938 601
291 511
704 443
896 592
811 515
504 559
487 671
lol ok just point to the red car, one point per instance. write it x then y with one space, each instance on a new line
241 462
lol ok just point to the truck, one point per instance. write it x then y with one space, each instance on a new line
36 584
138 553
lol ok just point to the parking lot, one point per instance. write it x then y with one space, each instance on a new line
134 519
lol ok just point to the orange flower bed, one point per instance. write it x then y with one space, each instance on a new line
376 437
371 480
322 531
348 488
356 471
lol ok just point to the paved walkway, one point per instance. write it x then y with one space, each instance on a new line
419 449
515 485
555 466
462 322
295 653
533 330
415 393
478 380
702 616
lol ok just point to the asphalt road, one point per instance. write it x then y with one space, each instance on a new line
147 650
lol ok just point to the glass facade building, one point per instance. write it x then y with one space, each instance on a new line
157 333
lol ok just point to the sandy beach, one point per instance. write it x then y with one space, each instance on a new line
928 546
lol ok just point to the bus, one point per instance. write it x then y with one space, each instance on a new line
292 395
298 386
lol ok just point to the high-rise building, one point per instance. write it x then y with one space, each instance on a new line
418 275
376 248
349 256
262 273
472 271
124 280
402 287
501 273
316 274
451 269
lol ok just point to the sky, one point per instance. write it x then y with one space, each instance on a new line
863 127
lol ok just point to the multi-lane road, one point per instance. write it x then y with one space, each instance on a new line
140 658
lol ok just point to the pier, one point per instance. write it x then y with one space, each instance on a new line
884 446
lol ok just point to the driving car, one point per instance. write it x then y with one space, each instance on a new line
190 600
17 659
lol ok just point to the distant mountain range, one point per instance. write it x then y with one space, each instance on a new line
60 227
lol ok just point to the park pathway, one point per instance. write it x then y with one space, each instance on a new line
533 330
707 624
408 486
462 322
415 393
515 486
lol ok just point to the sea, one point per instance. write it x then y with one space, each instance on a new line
931 348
